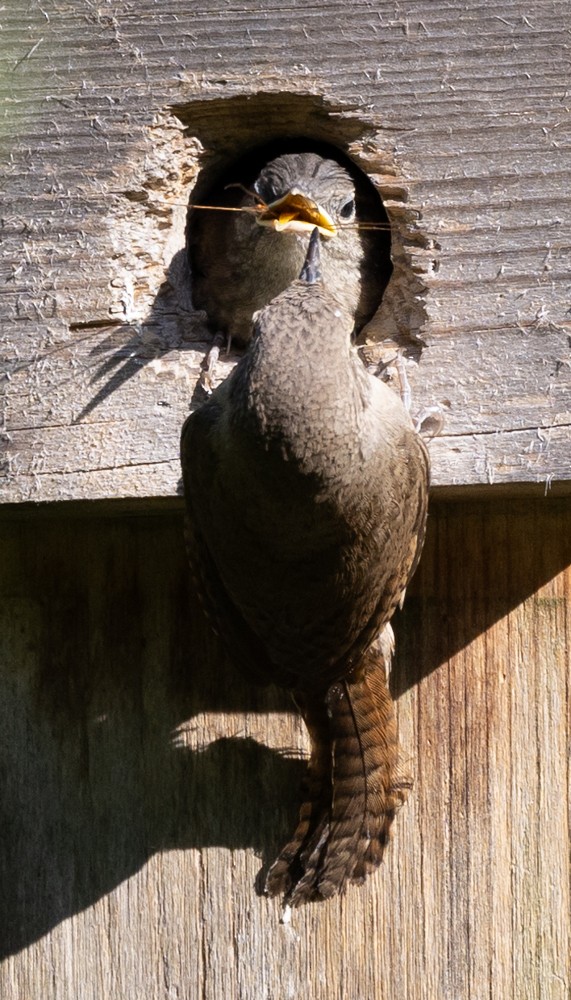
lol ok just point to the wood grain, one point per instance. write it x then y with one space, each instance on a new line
145 784
459 112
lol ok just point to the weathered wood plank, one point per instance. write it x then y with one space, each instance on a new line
144 784
459 112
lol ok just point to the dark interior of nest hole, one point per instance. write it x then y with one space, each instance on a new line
212 188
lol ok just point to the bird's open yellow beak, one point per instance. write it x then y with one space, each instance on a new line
296 213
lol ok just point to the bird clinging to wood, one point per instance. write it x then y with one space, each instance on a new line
241 260
306 490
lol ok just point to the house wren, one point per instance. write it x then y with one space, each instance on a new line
306 490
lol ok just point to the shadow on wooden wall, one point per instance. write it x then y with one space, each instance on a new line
106 667
481 560
101 664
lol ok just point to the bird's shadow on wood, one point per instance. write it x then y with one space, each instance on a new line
121 736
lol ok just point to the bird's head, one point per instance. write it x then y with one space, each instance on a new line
304 191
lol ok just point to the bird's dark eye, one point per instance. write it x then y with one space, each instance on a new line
347 211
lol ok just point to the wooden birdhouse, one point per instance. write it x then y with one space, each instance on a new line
145 785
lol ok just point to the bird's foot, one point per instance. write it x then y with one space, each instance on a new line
208 373
405 390
396 365
429 422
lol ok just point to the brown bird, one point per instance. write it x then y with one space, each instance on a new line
306 491
241 260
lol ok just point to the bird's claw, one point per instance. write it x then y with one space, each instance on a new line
405 390
207 375
429 422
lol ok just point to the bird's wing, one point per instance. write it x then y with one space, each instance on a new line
198 460
418 504
410 526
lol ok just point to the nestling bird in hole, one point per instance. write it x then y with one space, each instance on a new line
240 260
306 492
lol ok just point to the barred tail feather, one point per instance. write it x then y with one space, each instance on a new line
355 788
287 869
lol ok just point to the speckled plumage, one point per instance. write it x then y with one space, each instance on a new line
306 490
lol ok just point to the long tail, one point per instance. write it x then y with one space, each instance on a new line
353 789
